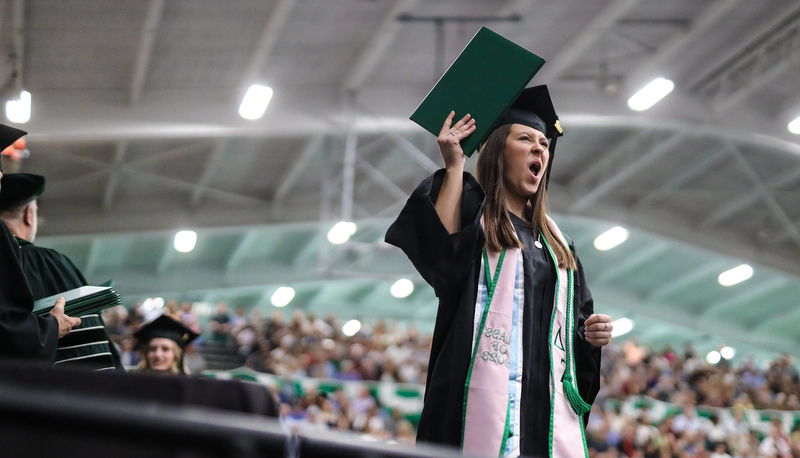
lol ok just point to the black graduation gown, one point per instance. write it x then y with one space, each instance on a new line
451 263
49 273
22 334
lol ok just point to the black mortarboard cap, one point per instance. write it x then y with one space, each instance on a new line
533 108
17 189
167 328
8 135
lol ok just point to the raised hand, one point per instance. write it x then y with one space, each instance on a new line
449 138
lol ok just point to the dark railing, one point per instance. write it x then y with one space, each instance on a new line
50 421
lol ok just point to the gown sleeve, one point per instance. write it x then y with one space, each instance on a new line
443 259
22 334
587 357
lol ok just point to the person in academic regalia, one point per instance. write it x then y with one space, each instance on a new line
50 273
515 357
162 343
23 334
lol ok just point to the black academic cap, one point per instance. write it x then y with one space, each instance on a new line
533 108
167 328
8 135
17 189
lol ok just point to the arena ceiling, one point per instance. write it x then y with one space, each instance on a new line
135 126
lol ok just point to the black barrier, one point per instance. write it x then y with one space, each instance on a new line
336 445
37 422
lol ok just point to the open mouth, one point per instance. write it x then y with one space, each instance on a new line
535 168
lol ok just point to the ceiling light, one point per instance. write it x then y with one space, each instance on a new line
351 328
727 352
282 296
610 238
341 232
621 326
19 111
735 275
713 357
147 304
255 102
794 126
185 241
402 288
650 94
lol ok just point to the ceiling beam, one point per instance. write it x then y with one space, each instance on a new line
392 210
694 171
310 152
624 172
511 9
173 182
781 319
208 172
634 262
414 153
787 233
711 81
772 204
242 249
741 203
659 63
185 185
113 178
584 40
750 295
106 167
377 46
628 147
147 39
381 179
172 153
773 59
690 278
266 44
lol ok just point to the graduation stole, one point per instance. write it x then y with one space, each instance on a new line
486 399
486 402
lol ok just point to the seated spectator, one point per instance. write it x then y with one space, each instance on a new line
220 324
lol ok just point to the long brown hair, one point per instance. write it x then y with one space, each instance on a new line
496 223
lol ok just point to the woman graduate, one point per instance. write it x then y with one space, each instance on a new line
515 357
163 341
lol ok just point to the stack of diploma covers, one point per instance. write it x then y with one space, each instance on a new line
483 81
85 300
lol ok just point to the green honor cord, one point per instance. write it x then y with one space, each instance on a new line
579 406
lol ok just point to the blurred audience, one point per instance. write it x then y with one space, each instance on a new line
684 405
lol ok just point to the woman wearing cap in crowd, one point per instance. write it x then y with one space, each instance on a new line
162 342
509 373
